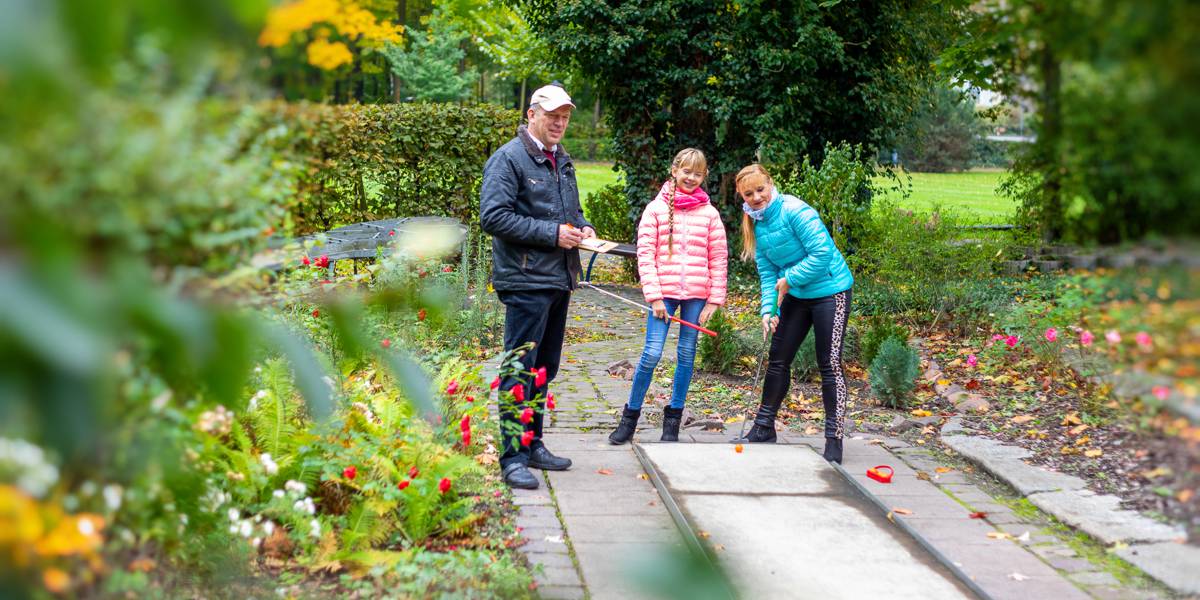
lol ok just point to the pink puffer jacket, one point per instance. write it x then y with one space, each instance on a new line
696 267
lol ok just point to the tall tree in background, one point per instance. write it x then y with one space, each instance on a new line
429 69
777 80
1115 87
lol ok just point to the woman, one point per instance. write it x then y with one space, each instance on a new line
805 281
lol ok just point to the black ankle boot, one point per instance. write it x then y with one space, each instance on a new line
624 432
763 431
671 419
833 450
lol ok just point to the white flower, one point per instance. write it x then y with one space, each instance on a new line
277 493
295 486
316 528
246 528
233 514
233 529
112 496
86 527
258 369
269 527
183 519
309 506
256 542
268 464
259 395
298 506
28 464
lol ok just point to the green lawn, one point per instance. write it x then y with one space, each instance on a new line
972 192
593 176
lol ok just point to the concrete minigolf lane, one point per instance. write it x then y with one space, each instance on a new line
787 525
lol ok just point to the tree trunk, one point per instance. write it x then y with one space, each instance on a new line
521 100
1050 138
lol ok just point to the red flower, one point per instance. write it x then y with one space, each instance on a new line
466 438
1011 341
413 472
421 315
350 472
422 273
465 424
403 484
444 485
305 260
497 494
527 415
526 438
518 392
316 312
539 377
386 343
447 269
550 401
322 261
452 388
391 233
496 382
469 398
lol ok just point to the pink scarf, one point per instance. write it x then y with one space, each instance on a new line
683 200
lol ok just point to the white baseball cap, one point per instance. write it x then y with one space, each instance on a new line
550 97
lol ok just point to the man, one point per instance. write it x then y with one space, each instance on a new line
529 203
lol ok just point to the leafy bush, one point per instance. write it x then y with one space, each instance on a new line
839 189
723 353
893 373
943 134
922 265
366 162
880 330
608 211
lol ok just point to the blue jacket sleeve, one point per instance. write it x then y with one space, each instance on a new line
497 208
768 274
818 245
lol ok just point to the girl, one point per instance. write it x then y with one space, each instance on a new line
682 256
803 274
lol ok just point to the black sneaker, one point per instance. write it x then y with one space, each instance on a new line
517 475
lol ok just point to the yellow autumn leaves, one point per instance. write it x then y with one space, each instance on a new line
40 536
350 22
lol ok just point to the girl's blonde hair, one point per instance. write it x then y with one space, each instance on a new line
690 158
749 177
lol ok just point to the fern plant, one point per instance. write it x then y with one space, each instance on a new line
893 373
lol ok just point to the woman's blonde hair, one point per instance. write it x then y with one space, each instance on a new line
750 176
694 160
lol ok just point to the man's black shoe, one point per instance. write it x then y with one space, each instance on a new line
517 475
541 458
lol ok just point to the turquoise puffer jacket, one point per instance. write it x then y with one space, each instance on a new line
792 242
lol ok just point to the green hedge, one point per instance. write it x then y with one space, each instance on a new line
366 162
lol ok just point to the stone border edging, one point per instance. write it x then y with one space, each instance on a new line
914 534
1155 548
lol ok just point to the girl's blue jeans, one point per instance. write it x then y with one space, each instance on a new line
656 338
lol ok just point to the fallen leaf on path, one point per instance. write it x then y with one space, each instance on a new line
1018 576
703 534
643 476
902 511
1094 453
943 469
943 382
1071 419
718 547
1024 537
1022 419
1184 495
874 442
604 472
978 515
999 535
1078 429
923 476
920 412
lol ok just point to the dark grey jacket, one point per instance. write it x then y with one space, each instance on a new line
522 202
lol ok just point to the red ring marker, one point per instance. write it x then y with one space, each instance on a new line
877 473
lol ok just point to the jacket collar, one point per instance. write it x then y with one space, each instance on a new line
774 207
531 147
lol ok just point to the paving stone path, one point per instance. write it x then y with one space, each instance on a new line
585 527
